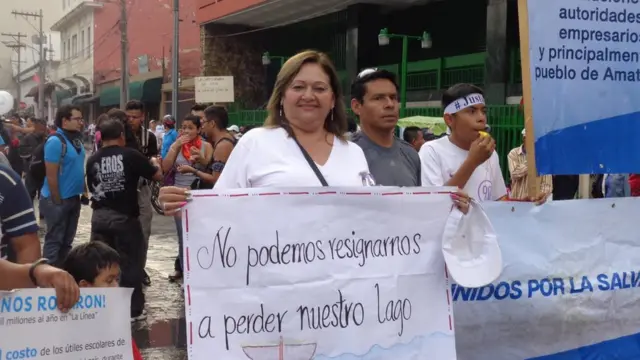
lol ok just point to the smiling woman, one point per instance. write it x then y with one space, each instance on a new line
302 142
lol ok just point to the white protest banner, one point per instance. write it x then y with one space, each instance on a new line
97 328
570 287
325 273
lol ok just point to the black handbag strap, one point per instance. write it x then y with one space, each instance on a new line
312 163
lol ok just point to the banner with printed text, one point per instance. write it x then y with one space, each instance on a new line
98 326
585 77
569 290
317 274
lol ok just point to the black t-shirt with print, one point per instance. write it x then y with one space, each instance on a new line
112 177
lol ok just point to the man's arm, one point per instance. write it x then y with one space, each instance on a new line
52 161
18 219
145 168
517 169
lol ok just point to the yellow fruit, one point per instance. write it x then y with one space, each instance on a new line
484 133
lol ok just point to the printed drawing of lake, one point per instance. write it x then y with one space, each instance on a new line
281 351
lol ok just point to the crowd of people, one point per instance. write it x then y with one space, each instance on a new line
306 140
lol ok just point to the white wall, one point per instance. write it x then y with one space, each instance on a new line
52 11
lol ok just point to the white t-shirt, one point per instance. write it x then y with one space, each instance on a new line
440 159
267 157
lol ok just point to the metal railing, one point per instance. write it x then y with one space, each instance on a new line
506 123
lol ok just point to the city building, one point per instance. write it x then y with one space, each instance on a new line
451 41
10 67
75 71
150 39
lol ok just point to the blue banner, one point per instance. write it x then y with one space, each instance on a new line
585 76
570 288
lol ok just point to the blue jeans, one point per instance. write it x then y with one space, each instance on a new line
62 223
180 259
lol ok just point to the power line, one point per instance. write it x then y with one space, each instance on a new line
42 63
17 46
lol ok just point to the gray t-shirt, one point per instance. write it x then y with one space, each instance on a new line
398 165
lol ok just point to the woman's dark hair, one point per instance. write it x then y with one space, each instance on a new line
194 119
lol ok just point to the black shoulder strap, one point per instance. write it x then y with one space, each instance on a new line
233 142
312 163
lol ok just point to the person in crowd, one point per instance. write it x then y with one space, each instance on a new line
198 110
148 145
28 145
414 136
96 265
214 129
63 184
302 142
158 131
519 170
235 131
112 176
170 134
188 150
20 242
466 158
374 99
40 274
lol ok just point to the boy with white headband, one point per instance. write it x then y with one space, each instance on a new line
466 158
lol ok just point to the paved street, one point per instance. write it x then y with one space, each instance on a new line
162 336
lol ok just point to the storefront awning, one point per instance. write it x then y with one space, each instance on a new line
283 12
147 91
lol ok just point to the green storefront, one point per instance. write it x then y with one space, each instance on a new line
147 91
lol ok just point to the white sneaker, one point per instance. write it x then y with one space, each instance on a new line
140 317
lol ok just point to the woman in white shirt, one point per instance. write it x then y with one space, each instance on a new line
302 142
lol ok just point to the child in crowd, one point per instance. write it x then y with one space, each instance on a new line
95 264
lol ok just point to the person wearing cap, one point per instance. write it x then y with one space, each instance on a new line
170 134
467 158
234 130
519 170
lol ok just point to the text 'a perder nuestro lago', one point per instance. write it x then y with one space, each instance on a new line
342 313
585 51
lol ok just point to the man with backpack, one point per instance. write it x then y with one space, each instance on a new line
28 146
64 183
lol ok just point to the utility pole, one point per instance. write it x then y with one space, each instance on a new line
17 46
124 53
42 63
175 69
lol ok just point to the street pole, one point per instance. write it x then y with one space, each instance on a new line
124 53
403 77
17 47
41 72
42 63
174 60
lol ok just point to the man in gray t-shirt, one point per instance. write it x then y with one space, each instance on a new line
374 99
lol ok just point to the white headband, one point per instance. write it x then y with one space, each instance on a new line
464 102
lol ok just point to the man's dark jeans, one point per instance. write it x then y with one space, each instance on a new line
124 234
62 223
